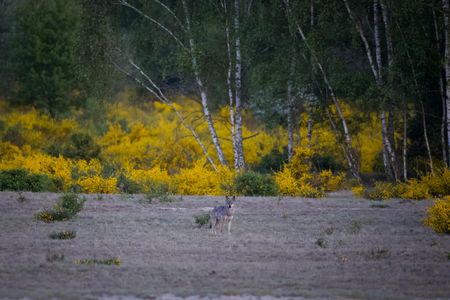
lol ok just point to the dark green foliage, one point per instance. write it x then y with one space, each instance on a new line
45 54
325 162
127 185
67 208
255 184
322 243
14 136
202 220
63 235
21 180
272 162
81 146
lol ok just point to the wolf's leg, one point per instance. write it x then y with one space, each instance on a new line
229 226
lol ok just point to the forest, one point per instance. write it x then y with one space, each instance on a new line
222 97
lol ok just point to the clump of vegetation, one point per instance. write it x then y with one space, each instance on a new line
379 206
161 192
63 235
439 216
202 220
21 180
55 257
67 207
322 243
355 226
109 261
381 191
297 179
378 253
255 184
127 185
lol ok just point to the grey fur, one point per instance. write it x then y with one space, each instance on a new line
222 214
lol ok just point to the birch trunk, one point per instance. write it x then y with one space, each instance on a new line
425 134
388 152
238 115
202 90
441 92
445 5
349 151
230 87
379 79
309 130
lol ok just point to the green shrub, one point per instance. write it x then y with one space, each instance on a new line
63 235
202 219
68 207
80 146
255 184
127 185
21 180
160 191
272 162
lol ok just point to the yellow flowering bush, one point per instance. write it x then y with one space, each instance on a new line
198 180
148 178
439 216
358 190
97 184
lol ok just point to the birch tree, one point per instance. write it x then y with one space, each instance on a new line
389 157
349 152
186 29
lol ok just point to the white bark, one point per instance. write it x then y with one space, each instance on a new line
388 151
229 84
350 153
425 134
202 90
237 92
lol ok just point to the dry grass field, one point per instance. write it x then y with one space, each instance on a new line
338 247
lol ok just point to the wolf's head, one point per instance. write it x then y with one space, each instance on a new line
230 201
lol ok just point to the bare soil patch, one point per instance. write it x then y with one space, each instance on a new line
339 247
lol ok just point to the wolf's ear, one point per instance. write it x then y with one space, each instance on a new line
234 198
227 198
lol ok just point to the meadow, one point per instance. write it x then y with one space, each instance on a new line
125 247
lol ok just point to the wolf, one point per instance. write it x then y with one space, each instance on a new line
222 214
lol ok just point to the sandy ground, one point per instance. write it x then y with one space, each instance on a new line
339 247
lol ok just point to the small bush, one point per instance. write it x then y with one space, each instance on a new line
63 235
21 180
255 184
322 243
202 220
378 253
439 216
109 261
413 189
381 191
160 191
128 186
439 183
358 191
67 208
